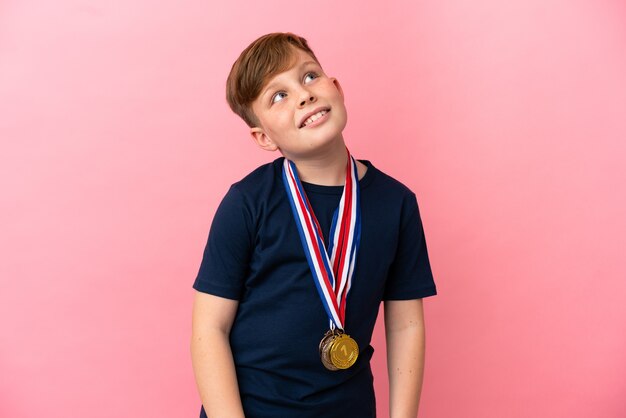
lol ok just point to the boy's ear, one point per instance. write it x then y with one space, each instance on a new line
262 140
337 85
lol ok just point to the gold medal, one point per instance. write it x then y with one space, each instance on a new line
338 350
344 351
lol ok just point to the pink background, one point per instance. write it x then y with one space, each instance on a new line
507 118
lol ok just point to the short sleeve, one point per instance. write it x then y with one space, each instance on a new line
225 261
410 275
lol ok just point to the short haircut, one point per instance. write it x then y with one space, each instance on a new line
264 58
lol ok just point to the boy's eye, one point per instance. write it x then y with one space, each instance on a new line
277 95
313 74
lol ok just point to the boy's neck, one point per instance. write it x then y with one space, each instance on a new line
328 168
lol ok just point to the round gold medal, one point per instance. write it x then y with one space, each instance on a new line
343 351
338 350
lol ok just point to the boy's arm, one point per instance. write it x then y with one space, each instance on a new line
212 357
405 334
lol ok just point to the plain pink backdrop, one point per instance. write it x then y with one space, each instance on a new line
506 118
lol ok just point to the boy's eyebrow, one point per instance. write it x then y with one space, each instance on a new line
271 85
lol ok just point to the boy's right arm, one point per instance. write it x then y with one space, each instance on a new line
212 357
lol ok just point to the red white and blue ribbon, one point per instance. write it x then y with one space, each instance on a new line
332 268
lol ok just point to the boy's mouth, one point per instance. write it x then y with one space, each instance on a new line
311 117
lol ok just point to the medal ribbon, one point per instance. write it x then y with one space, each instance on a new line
332 276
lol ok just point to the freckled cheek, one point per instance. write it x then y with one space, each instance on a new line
287 122
330 88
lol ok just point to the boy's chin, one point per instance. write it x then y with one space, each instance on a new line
321 146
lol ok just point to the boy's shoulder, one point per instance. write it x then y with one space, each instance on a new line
382 181
261 172
259 179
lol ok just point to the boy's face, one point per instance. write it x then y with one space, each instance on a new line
288 99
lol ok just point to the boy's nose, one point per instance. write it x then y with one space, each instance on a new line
310 99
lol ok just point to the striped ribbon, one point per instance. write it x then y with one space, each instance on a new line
332 276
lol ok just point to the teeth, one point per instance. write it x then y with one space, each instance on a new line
314 117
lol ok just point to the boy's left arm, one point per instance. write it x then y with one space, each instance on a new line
405 335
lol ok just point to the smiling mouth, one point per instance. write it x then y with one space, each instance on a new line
311 119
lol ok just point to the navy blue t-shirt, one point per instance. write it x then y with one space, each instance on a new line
254 255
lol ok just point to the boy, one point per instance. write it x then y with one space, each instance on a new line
300 254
